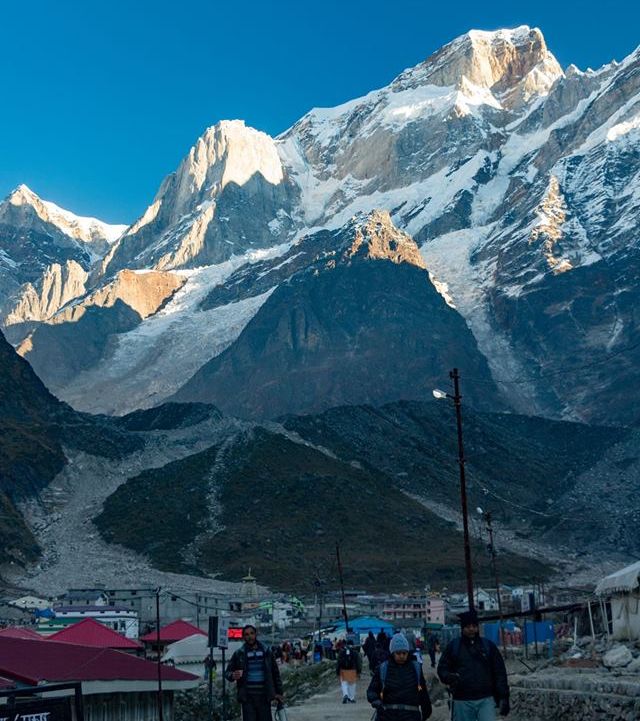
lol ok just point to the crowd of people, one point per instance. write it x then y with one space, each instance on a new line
471 667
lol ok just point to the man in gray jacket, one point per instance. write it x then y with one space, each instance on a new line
257 677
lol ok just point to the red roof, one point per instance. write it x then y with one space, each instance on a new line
20 632
6 683
35 661
90 632
175 631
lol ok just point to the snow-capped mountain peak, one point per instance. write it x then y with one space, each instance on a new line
188 221
518 182
83 229
228 152
514 64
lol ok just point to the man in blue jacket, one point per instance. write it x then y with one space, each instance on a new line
474 670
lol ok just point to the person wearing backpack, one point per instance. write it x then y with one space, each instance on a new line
473 669
398 690
348 668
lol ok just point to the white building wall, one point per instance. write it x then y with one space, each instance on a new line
625 612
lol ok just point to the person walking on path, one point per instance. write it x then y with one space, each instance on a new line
348 668
398 690
380 654
369 647
257 677
433 645
383 639
473 669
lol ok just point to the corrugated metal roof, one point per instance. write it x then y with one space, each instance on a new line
93 633
622 581
36 661
20 632
175 631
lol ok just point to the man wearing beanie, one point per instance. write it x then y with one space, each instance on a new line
474 670
398 690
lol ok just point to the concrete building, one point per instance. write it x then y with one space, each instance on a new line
119 618
622 591
114 685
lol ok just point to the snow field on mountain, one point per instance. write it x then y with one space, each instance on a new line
154 359
448 260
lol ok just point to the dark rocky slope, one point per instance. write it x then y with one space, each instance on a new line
362 323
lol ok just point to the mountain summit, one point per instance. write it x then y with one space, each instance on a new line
514 65
516 183
45 255
199 214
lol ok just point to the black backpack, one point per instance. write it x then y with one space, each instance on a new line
348 659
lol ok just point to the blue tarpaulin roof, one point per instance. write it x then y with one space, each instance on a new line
44 613
364 624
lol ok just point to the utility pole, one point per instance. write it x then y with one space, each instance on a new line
457 398
319 584
160 709
494 565
344 602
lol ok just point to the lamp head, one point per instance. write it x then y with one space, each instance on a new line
437 393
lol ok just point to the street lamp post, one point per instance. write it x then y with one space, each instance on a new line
457 398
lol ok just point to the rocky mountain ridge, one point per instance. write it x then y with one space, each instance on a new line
58 465
360 322
46 254
519 181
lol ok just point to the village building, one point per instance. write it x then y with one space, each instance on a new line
189 654
113 684
30 603
429 608
119 618
90 632
94 596
169 634
621 590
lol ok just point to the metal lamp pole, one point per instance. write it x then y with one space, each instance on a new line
457 401
159 660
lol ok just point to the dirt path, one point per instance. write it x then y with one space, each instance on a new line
328 706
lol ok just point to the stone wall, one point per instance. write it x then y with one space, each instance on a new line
561 694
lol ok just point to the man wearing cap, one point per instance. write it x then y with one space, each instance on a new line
474 670
255 671
398 690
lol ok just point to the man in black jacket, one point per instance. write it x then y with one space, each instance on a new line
474 670
257 677
398 690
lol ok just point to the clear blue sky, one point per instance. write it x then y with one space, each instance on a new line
100 100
